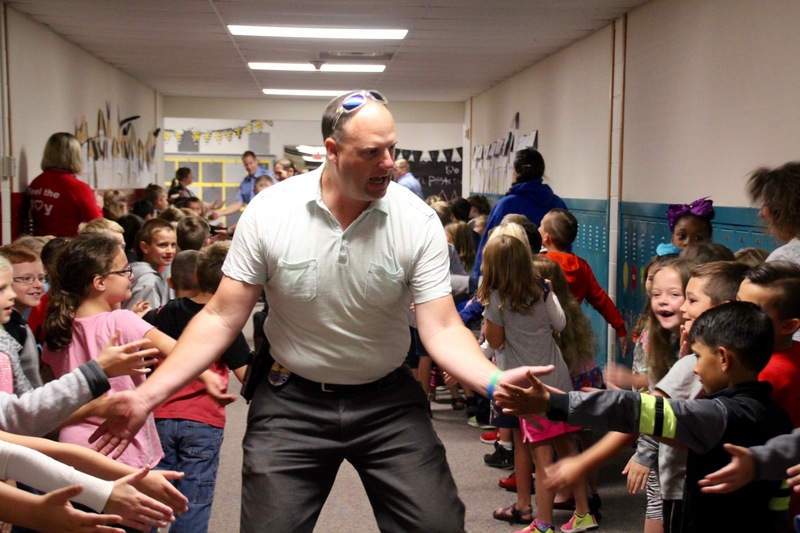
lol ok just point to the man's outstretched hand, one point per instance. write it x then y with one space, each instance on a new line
126 414
519 400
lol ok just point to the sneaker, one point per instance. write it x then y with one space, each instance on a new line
491 436
473 421
580 523
501 458
510 483
538 527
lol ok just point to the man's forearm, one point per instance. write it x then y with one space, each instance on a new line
200 344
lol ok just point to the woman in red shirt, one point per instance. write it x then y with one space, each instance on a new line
59 201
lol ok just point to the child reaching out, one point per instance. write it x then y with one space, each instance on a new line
520 316
578 347
558 229
710 285
190 423
733 342
92 278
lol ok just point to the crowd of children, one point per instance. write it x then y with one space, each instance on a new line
72 331
708 401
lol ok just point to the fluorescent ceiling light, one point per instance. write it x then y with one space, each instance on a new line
317 33
308 67
301 92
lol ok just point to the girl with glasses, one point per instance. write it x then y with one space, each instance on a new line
91 280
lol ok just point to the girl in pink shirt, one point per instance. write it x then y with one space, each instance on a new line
92 278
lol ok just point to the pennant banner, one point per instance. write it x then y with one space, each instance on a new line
254 126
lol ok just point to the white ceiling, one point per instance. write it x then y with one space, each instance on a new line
454 49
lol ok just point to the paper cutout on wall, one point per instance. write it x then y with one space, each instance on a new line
116 160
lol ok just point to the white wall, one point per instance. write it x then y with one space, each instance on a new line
567 98
420 125
53 83
711 94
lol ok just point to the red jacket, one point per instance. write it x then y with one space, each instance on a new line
60 202
584 286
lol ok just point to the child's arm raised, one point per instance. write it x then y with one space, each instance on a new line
44 473
156 483
773 460
698 424
555 313
52 513
569 470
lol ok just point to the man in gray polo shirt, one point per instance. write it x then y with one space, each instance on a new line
341 253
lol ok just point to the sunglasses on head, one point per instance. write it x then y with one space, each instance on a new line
356 100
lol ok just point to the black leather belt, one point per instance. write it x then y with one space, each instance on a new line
338 388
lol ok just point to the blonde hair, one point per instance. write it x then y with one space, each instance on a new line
115 203
34 244
100 225
577 342
63 151
173 214
443 210
508 269
511 229
5 264
751 256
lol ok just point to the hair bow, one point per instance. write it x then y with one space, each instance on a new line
703 208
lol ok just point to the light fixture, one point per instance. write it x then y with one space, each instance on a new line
310 67
302 92
318 33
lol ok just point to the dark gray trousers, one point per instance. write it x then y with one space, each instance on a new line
297 438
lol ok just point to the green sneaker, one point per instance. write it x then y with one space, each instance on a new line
578 523
473 421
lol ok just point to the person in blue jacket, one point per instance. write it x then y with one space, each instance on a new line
528 196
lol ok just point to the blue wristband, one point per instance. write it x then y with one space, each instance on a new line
492 384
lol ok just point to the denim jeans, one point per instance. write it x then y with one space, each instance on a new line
192 448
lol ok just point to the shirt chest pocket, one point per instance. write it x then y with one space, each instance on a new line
297 281
383 286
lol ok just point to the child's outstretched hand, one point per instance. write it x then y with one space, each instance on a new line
121 361
522 401
216 388
54 513
736 474
637 476
156 484
565 473
136 509
794 479
619 376
141 308
685 345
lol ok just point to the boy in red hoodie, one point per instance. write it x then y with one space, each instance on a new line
558 229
